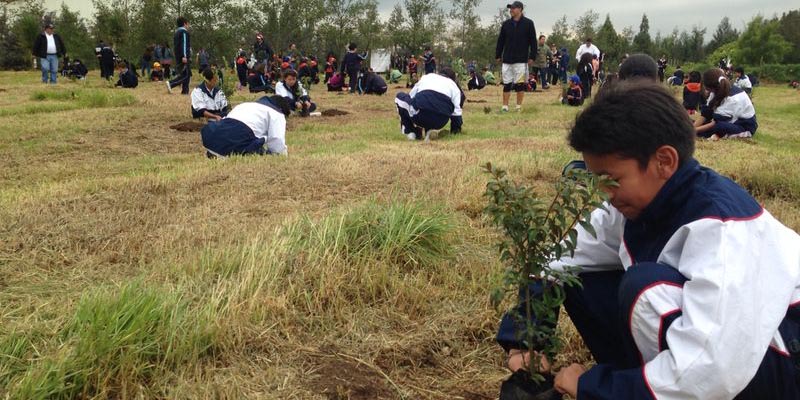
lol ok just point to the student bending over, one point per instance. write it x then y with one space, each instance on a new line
435 100
208 100
690 289
248 128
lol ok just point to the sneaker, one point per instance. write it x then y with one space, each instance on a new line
518 108
504 109
169 88
411 136
743 135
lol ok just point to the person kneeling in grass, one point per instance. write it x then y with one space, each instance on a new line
690 289
127 78
295 94
208 100
435 100
248 128
373 83
728 111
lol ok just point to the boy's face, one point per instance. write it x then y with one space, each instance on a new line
290 80
637 187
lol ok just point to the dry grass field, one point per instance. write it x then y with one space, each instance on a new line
358 267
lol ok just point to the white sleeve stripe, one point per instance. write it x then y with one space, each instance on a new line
646 315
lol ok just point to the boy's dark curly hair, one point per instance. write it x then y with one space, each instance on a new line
632 119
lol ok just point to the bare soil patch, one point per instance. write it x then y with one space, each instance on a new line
334 113
340 378
190 126
476 101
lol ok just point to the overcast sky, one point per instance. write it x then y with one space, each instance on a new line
664 15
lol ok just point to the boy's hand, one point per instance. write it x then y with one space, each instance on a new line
566 381
521 359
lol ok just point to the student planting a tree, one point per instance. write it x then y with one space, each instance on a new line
690 289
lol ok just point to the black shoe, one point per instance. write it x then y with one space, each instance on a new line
520 386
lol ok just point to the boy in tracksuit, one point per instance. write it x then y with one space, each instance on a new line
373 84
183 56
429 60
690 289
208 101
127 78
434 100
351 64
295 94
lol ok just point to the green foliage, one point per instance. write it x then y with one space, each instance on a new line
724 34
75 34
728 50
642 43
586 26
761 43
612 44
779 73
63 100
401 233
790 30
118 340
536 233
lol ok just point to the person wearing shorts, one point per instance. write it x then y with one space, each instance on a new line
516 49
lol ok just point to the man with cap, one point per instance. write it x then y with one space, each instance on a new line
49 47
516 49
261 49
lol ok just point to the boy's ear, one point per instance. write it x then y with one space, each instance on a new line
667 161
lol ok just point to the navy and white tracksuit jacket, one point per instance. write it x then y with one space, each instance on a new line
246 129
213 101
702 291
735 114
433 101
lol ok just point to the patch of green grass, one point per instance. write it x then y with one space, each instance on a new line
67 100
117 341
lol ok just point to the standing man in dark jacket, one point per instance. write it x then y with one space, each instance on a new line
516 48
261 50
49 47
183 55
351 64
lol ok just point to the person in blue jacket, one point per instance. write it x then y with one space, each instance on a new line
183 56
351 65
690 289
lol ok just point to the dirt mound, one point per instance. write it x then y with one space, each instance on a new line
340 378
2 90
399 87
476 101
334 113
190 126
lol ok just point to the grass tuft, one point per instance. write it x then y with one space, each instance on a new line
118 341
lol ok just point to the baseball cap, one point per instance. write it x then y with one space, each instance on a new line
516 4
48 25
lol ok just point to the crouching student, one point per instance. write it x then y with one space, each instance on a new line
295 94
476 81
79 70
489 77
157 74
373 83
336 82
690 289
743 81
435 100
248 128
395 75
127 78
208 101
728 111
693 92
260 80
574 96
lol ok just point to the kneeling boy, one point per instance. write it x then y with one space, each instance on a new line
295 94
690 289
208 100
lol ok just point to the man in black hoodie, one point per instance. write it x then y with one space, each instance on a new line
183 55
516 49
49 47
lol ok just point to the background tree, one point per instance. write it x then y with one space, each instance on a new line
465 24
789 28
586 26
724 34
761 43
562 36
611 43
73 30
642 43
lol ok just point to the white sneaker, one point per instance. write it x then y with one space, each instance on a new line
743 135
518 108
504 109
169 88
411 136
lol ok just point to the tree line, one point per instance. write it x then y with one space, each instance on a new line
454 30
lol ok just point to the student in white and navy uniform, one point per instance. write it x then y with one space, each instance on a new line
728 111
208 100
434 100
248 128
690 289
295 93
743 81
